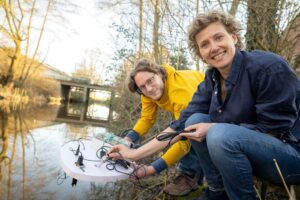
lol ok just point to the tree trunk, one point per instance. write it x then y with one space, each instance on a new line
261 25
156 52
197 59
234 7
141 30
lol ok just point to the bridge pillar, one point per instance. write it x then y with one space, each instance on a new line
65 92
74 92
86 96
112 97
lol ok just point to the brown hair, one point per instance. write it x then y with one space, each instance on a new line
205 19
144 65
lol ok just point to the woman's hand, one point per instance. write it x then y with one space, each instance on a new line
199 131
121 152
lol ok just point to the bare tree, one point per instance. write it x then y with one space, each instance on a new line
90 67
234 7
17 27
141 30
155 37
272 25
261 25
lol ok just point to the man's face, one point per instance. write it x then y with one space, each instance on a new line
216 46
150 84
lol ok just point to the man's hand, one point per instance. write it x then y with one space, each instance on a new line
200 132
142 171
128 139
131 136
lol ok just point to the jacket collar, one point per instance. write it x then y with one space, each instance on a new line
235 69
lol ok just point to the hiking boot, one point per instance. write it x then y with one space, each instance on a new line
181 185
212 195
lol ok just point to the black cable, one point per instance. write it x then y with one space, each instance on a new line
169 136
102 151
111 165
134 175
164 136
61 177
79 140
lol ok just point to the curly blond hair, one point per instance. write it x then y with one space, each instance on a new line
204 19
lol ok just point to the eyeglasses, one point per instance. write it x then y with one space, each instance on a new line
149 82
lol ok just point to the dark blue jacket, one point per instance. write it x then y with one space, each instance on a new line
263 93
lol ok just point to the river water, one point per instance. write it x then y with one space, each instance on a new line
30 166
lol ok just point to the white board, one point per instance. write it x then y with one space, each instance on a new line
92 171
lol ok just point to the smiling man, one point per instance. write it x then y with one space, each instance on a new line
161 86
243 115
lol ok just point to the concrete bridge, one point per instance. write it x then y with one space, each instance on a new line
85 93
77 94
84 88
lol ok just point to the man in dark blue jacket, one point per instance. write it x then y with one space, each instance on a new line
244 116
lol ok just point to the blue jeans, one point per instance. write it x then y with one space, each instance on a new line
190 164
232 155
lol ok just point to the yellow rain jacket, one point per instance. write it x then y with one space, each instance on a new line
179 88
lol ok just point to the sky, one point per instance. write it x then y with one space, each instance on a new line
81 31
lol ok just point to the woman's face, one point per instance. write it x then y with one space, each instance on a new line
150 84
217 46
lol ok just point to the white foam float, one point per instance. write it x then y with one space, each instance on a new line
93 169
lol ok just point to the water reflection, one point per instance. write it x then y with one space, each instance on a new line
98 112
30 157
17 154
80 113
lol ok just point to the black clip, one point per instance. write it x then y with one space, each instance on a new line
79 162
102 153
77 150
74 182
170 135
123 163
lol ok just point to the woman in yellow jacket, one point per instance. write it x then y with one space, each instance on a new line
171 90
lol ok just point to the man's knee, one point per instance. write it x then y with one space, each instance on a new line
217 133
197 118
219 137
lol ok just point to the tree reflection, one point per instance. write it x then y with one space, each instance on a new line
16 123
4 137
24 176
